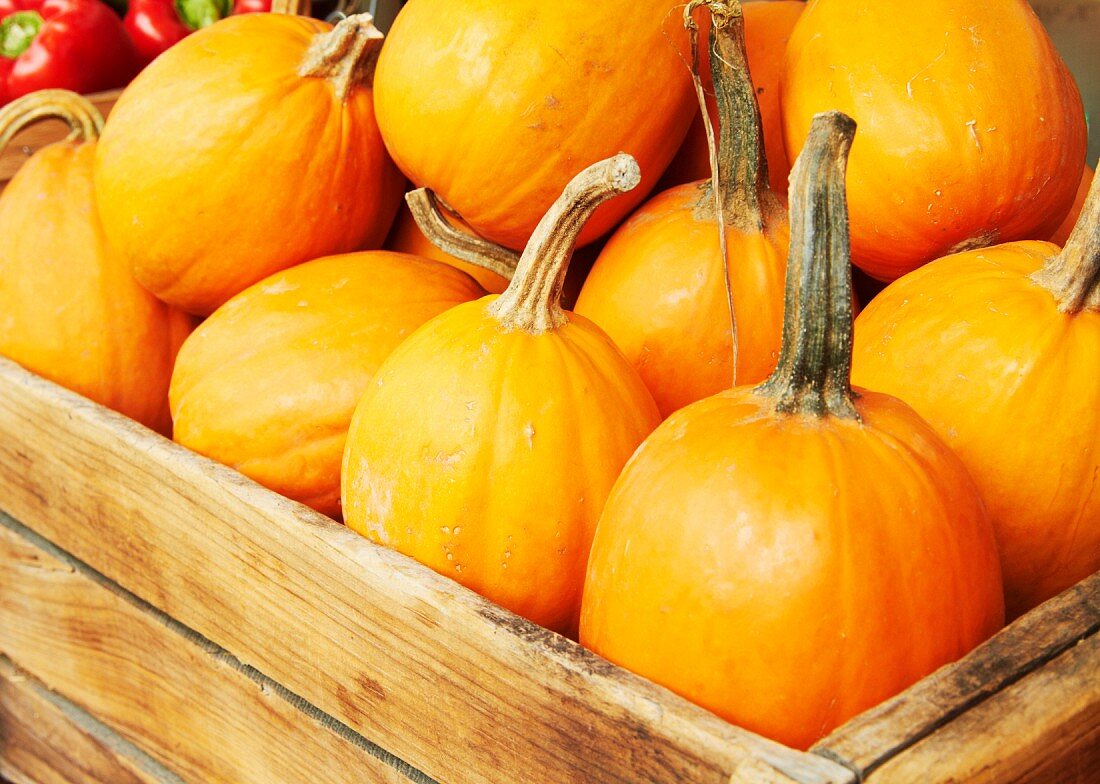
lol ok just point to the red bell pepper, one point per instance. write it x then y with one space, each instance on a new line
154 25
77 45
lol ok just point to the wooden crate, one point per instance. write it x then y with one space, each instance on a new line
165 619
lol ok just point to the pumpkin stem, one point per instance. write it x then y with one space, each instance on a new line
291 7
346 55
1073 276
84 120
532 301
424 205
815 363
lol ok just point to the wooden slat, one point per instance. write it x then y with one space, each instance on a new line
452 684
42 133
183 701
46 740
1044 729
877 735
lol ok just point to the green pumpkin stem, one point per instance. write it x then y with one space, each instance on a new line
424 206
742 165
346 55
532 301
813 375
84 120
1073 276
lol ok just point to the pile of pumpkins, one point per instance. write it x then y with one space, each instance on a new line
679 472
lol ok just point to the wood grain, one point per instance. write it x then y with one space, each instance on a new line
44 740
183 701
1044 729
873 737
42 133
454 685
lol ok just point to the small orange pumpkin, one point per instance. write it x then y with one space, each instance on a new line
488 441
474 92
659 288
1060 236
69 308
998 349
248 147
790 554
972 130
768 25
269 382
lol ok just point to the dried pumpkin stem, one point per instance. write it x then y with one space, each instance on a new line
424 206
78 112
532 301
291 7
346 55
813 375
1073 276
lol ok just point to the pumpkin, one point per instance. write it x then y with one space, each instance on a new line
486 263
1061 235
269 382
248 147
69 308
488 441
659 288
790 554
475 92
972 130
998 350
768 25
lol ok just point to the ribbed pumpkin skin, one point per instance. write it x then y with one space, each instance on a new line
735 548
971 130
501 485
658 290
1009 382
69 308
768 25
474 93
221 165
269 382
406 237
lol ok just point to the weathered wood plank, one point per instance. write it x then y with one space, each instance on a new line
1043 729
46 740
184 702
877 735
42 133
457 687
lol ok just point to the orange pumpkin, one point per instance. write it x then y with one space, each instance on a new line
659 288
269 382
971 127
69 308
1060 236
489 439
790 554
406 237
768 25
998 350
475 92
248 147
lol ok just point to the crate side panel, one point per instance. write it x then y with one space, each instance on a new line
184 702
46 740
1043 729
